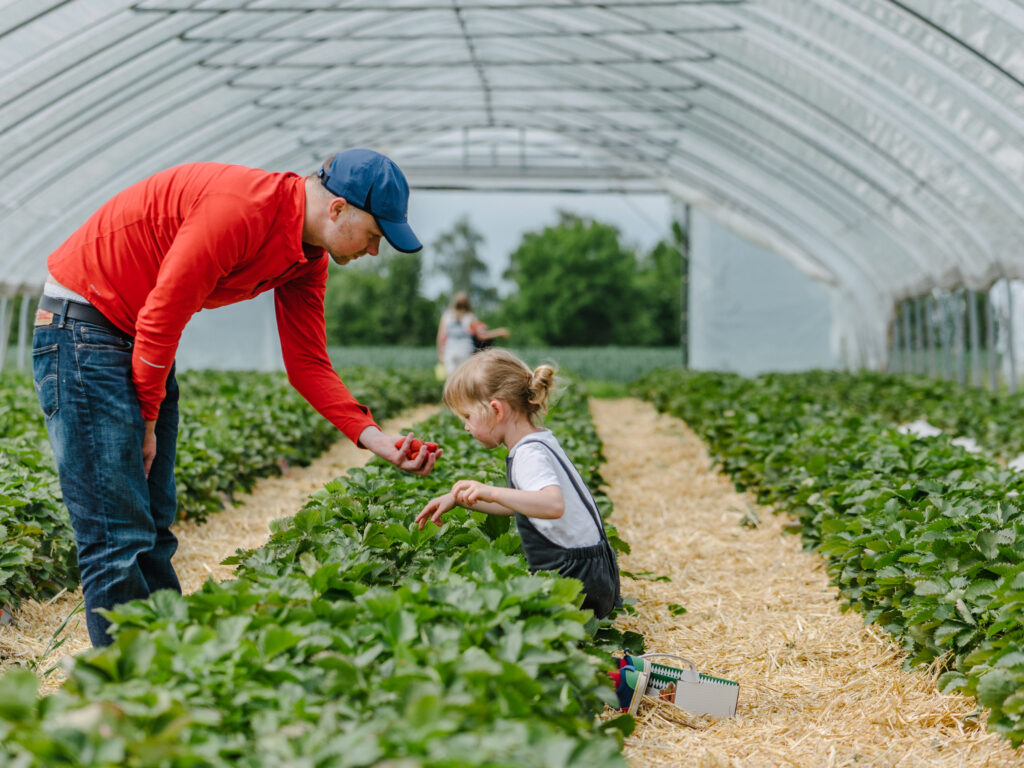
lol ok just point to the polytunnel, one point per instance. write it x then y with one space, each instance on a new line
874 144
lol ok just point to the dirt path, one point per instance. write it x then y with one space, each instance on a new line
201 548
817 687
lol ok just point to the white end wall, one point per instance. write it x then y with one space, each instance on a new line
750 310
238 337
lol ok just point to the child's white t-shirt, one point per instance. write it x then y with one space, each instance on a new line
534 468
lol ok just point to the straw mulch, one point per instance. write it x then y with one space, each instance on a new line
201 548
817 687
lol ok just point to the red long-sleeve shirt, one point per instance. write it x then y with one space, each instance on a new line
199 236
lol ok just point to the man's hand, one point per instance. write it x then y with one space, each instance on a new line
399 451
434 509
149 446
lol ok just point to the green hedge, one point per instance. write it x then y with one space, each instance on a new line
623 364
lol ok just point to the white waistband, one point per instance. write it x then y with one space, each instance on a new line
55 290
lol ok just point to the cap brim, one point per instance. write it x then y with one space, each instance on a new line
400 235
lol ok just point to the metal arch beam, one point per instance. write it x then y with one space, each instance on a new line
840 155
145 6
837 151
531 34
193 140
790 216
71 55
919 213
24 263
797 190
851 201
945 75
974 51
945 140
100 142
578 137
109 100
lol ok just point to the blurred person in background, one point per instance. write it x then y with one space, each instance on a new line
460 333
119 293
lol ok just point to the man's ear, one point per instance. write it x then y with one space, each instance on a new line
336 207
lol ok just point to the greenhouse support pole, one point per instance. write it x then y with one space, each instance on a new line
5 330
23 331
919 339
1009 339
684 290
958 337
974 337
990 335
929 338
945 304
897 359
905 313
889 364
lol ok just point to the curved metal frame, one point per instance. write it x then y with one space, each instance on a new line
886 176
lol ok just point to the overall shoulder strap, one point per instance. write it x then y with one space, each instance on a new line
585 496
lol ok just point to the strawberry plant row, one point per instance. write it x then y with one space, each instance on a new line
351 639
235 428
923 537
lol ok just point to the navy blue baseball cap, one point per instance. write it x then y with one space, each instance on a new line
373 183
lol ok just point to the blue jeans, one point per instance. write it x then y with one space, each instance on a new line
121 518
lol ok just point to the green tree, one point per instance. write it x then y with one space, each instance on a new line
660 282
457 257
377 300
576 286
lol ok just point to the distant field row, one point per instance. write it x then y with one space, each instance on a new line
607 363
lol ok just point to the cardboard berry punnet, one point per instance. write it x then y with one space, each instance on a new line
413 451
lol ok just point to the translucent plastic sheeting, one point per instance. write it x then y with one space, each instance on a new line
734 285
876 144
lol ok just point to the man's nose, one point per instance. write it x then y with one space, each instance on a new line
373 247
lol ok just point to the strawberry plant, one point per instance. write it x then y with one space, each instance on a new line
223 448
922 536
351 639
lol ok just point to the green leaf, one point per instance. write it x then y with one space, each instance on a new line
19 694
274 640
995 685
932 587
951 681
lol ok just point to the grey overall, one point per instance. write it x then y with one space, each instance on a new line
595 565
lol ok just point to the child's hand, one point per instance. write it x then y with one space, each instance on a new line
469 492
434 509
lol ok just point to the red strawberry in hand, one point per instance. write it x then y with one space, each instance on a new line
413 451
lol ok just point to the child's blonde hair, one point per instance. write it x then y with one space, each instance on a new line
497 374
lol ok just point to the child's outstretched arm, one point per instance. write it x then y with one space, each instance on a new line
546 503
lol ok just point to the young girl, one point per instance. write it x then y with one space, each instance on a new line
498 396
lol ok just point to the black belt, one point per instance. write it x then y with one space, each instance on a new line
87 313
